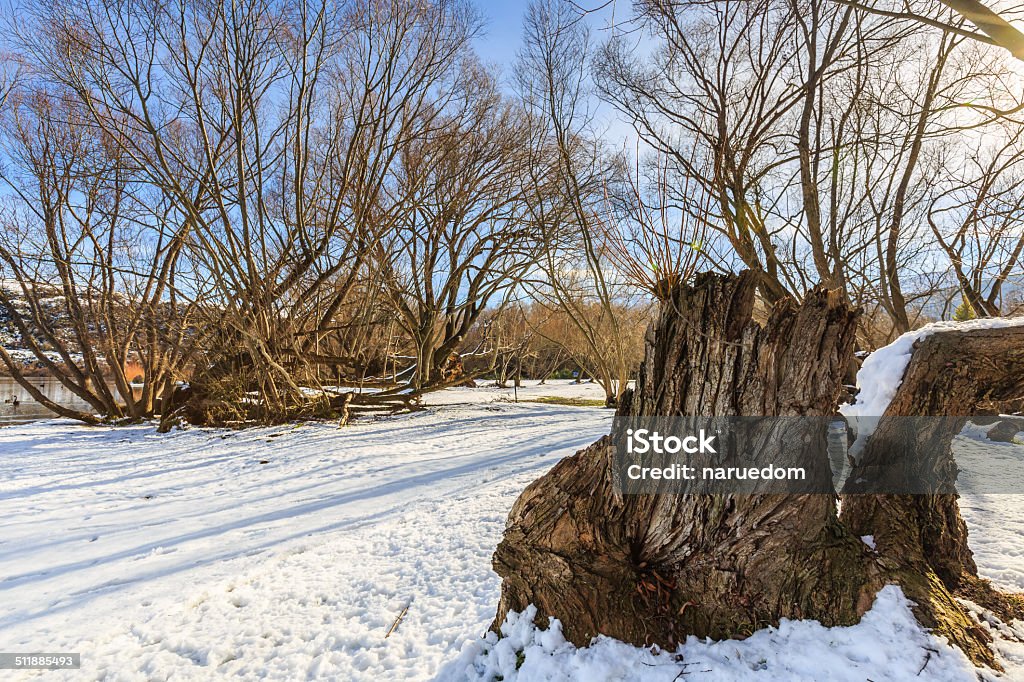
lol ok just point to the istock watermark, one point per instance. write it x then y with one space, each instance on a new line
686 472
815 455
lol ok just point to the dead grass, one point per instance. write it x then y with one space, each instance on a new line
571 402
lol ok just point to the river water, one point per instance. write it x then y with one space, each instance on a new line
17 405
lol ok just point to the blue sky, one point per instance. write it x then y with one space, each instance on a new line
503 35
497 45
503 31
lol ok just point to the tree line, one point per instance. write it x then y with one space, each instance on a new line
269 199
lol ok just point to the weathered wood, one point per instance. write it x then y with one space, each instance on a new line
655 568
951 376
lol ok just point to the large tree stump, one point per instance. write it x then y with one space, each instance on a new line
951 376
655 568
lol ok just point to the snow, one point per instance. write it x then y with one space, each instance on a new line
996 536
27 357
182 553
288 553
882 371
887 644
986 468
530 390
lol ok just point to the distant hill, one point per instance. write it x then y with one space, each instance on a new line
52 303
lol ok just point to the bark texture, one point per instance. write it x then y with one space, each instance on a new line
655 568
951 376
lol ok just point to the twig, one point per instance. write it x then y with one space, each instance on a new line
398 620
928 657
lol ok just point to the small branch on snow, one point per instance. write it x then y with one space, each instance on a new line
394 626
928 656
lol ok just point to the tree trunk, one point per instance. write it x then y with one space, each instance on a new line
655 568
951 376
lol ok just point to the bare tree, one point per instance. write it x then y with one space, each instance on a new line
87 256
271 131
993 27
8 79
459 242
976 220
569 201
814 131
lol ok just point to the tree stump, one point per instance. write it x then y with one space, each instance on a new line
951 376
453 369
654 568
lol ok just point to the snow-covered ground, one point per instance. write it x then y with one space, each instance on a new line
288 553
887 644
208 553
528 391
